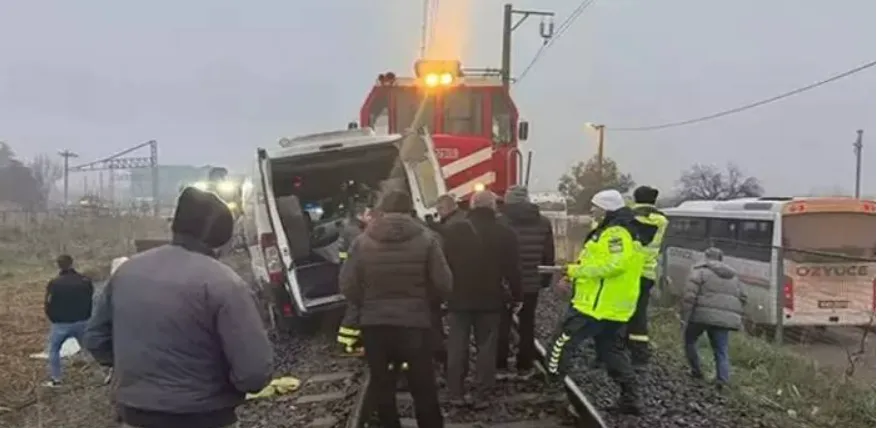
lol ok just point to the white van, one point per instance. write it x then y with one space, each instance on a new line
297 200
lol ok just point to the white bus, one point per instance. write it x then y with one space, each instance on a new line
826 245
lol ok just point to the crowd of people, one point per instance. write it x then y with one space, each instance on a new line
184 337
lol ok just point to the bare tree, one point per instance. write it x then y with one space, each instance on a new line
46 172
17 182
708 182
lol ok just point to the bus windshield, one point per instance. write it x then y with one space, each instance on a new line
829 237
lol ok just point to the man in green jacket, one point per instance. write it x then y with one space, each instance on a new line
606 281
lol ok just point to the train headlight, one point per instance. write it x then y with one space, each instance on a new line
201 185
431 80
226 187
435 73
479 187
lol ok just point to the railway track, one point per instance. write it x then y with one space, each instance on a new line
515 402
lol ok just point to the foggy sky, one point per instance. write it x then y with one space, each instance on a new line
213 79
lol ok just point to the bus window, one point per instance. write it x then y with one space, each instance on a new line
755 240
501 118
462 112
407 101
723 235
687 232
810 236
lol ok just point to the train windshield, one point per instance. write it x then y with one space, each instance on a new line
462 111
406 102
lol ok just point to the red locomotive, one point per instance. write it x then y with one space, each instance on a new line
471 116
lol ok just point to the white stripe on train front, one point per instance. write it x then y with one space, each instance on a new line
469 186
467 162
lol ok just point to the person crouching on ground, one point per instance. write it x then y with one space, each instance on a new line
483 256
392 270
68 307
713 303
181 329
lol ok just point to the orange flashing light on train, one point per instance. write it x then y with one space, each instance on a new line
438 73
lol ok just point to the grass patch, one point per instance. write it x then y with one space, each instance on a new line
27 253
779 387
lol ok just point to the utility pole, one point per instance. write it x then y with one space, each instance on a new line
546 31
67 154
857 149
601 132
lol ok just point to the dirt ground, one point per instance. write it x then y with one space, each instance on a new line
27 252
23 329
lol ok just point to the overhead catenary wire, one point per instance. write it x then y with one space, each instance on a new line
745 107
561 29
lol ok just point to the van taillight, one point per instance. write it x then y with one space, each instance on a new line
789 294
287 310
273 263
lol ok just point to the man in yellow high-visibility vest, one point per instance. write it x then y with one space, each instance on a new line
652 224
606 281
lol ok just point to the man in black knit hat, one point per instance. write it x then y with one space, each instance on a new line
651 224
181 329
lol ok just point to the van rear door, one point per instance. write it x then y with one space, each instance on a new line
423 170
273 244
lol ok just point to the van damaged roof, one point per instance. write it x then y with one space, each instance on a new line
332 140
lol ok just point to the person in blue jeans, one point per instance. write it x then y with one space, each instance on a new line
712 303
68 307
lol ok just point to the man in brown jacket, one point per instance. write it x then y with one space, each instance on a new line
393 270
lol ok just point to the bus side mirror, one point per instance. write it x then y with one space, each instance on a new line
352 125
523 130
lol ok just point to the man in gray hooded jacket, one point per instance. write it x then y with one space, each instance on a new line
713 303
181 330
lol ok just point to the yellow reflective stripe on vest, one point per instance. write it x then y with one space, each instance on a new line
342 255
638 337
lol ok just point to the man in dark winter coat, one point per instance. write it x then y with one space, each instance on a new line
68 306
483 256
713 303
393 269
181 330
536 247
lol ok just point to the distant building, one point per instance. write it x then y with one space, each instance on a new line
170 178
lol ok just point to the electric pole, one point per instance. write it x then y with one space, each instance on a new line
857 149
546 31
67 154
601 132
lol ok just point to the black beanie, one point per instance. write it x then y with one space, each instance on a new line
203 216
645 195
